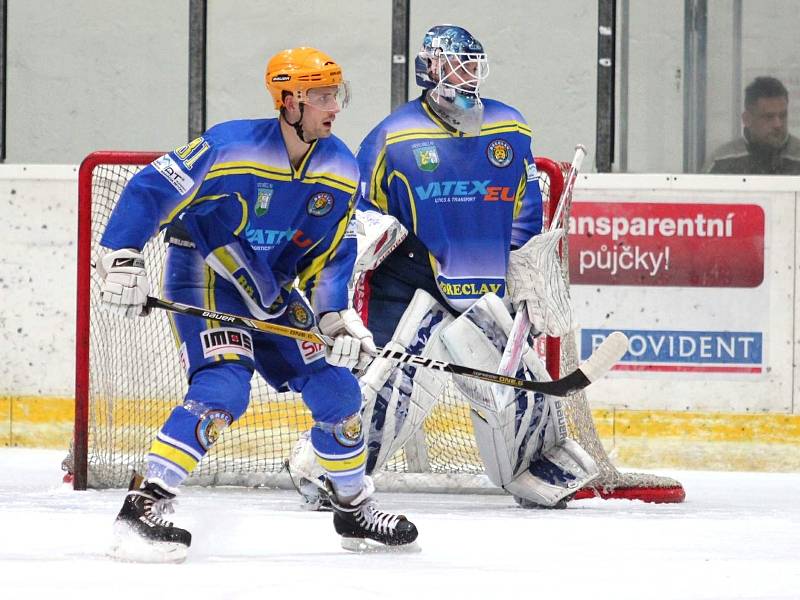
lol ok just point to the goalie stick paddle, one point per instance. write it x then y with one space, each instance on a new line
601 360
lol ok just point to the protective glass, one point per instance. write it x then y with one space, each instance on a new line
330 97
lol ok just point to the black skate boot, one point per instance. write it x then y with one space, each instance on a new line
141 534
364 527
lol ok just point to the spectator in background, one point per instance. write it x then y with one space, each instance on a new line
765 147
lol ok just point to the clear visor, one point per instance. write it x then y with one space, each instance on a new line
462 72
330 97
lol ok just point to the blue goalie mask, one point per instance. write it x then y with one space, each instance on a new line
452 65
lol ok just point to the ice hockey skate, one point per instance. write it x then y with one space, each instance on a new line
140 532
366 528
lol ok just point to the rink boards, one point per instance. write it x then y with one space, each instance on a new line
710 378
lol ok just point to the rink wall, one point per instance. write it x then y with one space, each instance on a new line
699 271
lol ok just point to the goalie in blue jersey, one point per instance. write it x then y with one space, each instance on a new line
248 209
455 174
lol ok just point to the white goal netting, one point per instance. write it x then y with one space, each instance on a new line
128 380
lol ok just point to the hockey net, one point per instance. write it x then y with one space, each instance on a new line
128 379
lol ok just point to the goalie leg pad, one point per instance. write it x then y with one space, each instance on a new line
554 476
476 339
398 398
521 436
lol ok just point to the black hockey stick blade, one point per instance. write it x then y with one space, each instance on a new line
597 365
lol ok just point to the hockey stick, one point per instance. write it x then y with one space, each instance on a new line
512 353
601 360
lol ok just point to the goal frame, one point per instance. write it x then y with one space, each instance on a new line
80 448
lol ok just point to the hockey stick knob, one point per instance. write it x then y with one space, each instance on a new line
605 357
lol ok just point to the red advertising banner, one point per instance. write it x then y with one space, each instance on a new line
658 244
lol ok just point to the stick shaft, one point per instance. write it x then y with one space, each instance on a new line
512 353
561 387
569 183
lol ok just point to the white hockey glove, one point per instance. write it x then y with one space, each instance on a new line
353 346
125 285
536 284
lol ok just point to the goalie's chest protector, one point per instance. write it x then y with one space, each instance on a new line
459 195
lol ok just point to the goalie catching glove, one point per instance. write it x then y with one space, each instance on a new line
536 284
353 346
125 285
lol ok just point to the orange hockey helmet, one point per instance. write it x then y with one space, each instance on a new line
298 70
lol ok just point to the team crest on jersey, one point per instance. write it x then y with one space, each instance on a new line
263 199
500 153
320 204
212 424
299 315
427 156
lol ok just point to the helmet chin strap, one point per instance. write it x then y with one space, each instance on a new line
298 128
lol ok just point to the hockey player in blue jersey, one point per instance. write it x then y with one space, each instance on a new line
456 172
249 208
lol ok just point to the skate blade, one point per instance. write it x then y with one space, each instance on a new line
367 546
130 547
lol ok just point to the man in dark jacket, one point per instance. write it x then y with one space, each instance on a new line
766 147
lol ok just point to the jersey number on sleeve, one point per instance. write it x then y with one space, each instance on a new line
192 151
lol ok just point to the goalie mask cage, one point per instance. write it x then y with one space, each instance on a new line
128 379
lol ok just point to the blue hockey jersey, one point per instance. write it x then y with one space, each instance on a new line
468 199
259 222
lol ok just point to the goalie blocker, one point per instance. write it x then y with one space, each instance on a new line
521 437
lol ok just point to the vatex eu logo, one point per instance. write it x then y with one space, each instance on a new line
683 351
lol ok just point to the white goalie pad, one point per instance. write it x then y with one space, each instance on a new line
377 235
555 475
521 436
397 398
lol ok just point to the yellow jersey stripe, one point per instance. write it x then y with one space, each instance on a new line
243 222
343 464
210 303
242 164
185 461
377 194
523 184
514 125
509 129
249 171
418 135
432 131
227 259
181 205
411 200
316 264
438 121
297 173
331 180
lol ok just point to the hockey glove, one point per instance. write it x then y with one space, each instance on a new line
125 285
353 346
535 284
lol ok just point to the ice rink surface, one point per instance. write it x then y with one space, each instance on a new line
737 535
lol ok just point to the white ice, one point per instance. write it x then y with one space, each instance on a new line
736 536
